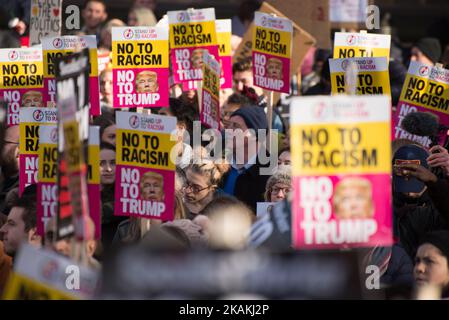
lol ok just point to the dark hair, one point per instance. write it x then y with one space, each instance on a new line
287 149
28 202
3 126
247 9
185 113
100 1
245 64
107 146
105 120
238 98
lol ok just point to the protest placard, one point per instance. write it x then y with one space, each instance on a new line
358 45
21 81
271 52
140 66
347 10
341 156
191 32
264 208
56 47
144 168
45 20
72 76
210 104
425 89
224 33
311 15
372 75
47 189
40 274
31 120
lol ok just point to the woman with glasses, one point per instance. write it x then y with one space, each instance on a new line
279 185
200 185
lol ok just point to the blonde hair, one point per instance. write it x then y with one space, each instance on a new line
144 16
353 182
214 171
153 175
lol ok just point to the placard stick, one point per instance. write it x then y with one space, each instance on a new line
199 91
270 120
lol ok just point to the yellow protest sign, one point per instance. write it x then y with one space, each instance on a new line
372 75
358 45
210 108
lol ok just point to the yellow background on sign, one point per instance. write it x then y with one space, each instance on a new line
94 163
165 145
211 81
19 285
426 89
39 72
224 38
159 47
376 52
93 59
50 148
285 39
373 135
22 144
380 79
208 28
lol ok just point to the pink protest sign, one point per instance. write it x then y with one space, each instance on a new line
31 121
341 172
210 105
191 33
54 47
144 166
140 66
272 43
426 89
21 81
224 33
47 188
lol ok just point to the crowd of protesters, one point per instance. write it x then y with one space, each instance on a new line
215 203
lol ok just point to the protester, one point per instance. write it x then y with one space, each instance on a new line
141 17
20 226
5 260
279 185
106 122
234 102
106 34
106 89
9 161
245 180
94 15
242 75
201 184
432 261
284 157
313 78
427 51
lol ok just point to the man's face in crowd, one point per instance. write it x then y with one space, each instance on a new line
355 202
94 14
109 135
228 109
274 69
32 99
152 189
245 78
107 166
419 56
13 231
431 266
146 83
10 152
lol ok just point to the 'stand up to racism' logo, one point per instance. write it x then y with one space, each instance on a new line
351 40
181 16
38 115
57 43
424 71
321 111
263 21
13 55
345 64
54 135
134 121
128 33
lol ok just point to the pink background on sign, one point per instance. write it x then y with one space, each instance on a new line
213 50
94 207
203 118
13 117
226 72
94 94
285 71
169 190
162 78
381 195
23 178
404 108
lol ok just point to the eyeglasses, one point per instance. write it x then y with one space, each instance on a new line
193 188
276 190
